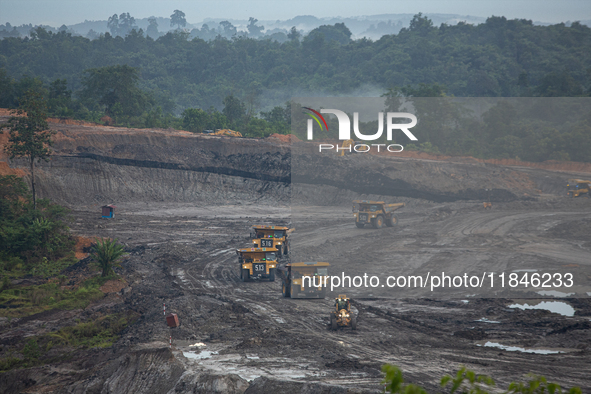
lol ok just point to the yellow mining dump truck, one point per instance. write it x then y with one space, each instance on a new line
375 212
342 316
578 187
257 263
271 237
303 280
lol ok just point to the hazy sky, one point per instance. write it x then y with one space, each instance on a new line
58 12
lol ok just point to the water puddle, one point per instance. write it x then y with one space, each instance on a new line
520 349
203 355
559 307
485 320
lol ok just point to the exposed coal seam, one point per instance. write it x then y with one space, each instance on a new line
379 184
174 166
400 188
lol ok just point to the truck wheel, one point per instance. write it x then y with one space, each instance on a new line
285 249
271 274
392 221
359 224
285 289
333 323
377 222
354 323
244 274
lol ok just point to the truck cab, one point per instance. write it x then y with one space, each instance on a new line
257 263
304 280
271 237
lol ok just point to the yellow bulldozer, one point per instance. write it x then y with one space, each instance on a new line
303 280
578 187
271 237
227 133
342 316
376 213
257 263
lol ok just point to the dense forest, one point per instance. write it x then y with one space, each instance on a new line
244 83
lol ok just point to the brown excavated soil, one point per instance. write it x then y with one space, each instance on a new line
113 286
186 202
82 247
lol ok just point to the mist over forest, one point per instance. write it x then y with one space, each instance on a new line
165 72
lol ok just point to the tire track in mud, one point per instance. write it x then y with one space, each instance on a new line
293 322
301 318
286 320
497 224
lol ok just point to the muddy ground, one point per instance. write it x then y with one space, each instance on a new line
185 257
247 338
188 261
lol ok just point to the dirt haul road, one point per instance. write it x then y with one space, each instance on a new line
249 330
183 209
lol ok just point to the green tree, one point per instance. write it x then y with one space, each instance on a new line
29 133
32 235
394 382
106 254
178 18
60 97
195 119
31 350
216 120
126 24
228 29
7 99
337 32
277 115
421 24
294 34
113 24
234 109
152 30
12 190
466 381
114 89
253 29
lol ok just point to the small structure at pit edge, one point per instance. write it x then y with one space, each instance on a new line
172 320
108 211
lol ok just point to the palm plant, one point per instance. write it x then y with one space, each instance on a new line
106 254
